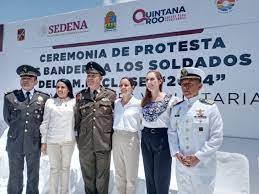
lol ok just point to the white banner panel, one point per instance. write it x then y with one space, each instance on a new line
132 38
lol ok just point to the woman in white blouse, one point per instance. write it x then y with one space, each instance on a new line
156 107
57 130
125 140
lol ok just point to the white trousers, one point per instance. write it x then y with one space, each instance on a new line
125 146
60 159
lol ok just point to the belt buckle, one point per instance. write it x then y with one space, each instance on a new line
153 131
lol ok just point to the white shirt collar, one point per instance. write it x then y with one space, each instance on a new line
193 99
98 90
129 102
31 92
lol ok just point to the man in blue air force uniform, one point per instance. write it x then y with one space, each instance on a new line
23 112
195 134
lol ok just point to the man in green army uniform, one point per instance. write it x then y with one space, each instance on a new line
93 126
23 112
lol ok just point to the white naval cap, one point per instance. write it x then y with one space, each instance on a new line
191 73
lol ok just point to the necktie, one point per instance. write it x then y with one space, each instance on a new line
28 97
94 94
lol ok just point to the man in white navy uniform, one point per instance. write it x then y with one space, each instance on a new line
194 135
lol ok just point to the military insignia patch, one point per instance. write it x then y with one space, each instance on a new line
40 100
200 114
24 70
184 72
105 99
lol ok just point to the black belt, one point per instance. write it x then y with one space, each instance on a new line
154 130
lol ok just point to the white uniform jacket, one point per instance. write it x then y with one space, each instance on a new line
196 128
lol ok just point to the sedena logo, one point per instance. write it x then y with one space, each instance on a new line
225 6
110 21
68 28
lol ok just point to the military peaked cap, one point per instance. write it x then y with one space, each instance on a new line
93 67
27 70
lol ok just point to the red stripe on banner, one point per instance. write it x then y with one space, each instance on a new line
145 37
1 37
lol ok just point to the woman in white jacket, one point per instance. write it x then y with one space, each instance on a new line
57 130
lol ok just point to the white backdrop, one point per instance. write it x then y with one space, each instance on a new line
164 35
219 38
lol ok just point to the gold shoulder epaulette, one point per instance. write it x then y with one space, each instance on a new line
9 92
110 90
43 93
205 101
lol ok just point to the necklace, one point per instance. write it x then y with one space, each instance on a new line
63 101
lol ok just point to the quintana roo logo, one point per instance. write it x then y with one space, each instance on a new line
110 22
225 6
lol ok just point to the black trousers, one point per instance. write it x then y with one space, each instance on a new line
95 167
157 160
16 166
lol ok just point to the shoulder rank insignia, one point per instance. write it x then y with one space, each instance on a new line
78 96
205 101
6 93
110 90
43 93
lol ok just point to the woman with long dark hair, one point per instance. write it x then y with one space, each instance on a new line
125 139
57 130
156 107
